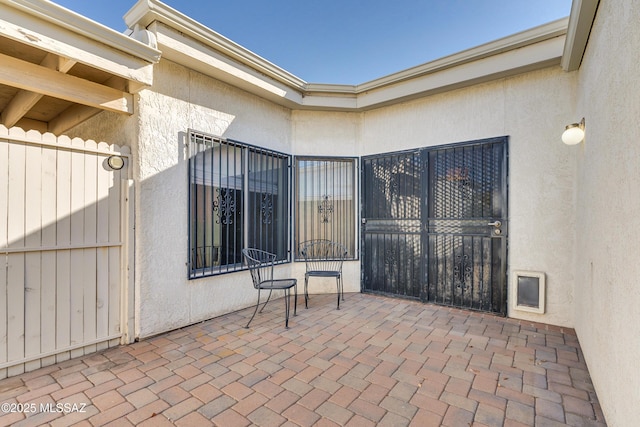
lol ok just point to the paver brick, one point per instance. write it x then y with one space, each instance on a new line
521 413
148 411
107 400
377 361
301 415
193 419
336 413
489 415
578 406
141 397
230 417
314 399
265 417
111 414
216 406
456 417
249 404
367 410
399 407
178 411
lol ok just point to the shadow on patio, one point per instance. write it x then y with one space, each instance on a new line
377 361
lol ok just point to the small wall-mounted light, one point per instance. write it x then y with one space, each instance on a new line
574 133
115 162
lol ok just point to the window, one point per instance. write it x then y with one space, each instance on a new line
325 201
238 197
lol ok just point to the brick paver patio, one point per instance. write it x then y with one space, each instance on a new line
377 361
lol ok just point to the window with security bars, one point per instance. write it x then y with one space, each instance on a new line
238 197
325 202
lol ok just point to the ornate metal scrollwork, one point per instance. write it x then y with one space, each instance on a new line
325 209
462 271
224 206
465 187
266 207
390 258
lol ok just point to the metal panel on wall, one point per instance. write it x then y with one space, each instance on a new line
435 224
391 224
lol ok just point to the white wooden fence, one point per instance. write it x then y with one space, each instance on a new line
64 229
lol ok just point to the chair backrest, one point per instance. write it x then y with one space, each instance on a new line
260 265
323 255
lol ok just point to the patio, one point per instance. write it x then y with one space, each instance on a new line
377 361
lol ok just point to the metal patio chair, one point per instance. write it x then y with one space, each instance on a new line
323 258
260 265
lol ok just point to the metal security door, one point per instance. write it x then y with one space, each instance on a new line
391 218
466 224
434 224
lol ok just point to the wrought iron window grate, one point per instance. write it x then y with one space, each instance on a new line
325 201
238 197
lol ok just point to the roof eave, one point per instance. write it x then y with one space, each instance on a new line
76 23
583 13
145 12
525 51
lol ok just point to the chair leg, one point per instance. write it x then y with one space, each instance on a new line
287 303
295 300
255 311
268 298
338 289
306 292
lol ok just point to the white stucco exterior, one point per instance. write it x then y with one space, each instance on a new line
540 238
529 109
573 210
607 295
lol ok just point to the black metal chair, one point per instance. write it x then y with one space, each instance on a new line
260 265
323 258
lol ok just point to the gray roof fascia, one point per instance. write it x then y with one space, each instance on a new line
515 41
583 13
58 15
507 56
497 59
145 12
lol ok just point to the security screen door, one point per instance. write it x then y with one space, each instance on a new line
434 224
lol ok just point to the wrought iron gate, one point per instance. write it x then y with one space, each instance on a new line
435 224
391 224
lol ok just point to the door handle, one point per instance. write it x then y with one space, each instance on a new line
496 224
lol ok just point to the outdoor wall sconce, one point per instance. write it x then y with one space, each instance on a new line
574 133
115 162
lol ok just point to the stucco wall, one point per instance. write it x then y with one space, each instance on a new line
608 206
181 99
532 110
328 134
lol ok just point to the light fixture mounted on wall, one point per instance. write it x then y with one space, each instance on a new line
574 133
115 162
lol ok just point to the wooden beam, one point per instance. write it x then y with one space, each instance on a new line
71 117
35 78
24 100
78 113
78 38
29 124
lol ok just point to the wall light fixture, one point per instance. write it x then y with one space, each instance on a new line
574 133
115 162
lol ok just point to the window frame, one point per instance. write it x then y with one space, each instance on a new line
194 141
353 251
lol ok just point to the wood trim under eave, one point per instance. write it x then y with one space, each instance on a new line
85 28
35 78
45 36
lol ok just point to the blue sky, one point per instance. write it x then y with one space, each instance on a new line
349 41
